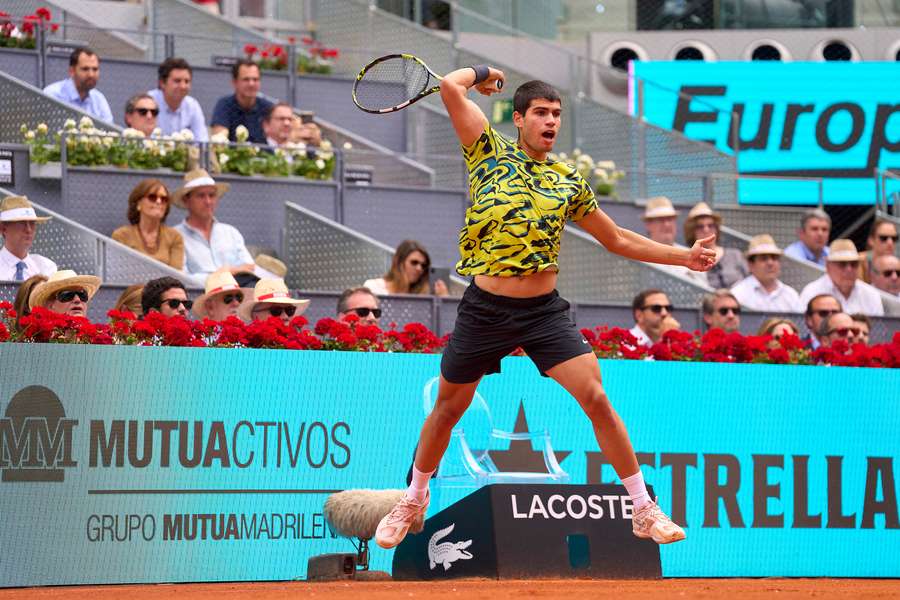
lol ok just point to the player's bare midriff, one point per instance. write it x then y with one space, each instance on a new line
523 286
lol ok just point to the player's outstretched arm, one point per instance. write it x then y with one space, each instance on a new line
467 118
700 257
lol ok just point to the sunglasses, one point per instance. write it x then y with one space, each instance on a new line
364 312
229 298
69 295
850 264
143 111
418 263
276 311
845 331
885 238
764 257
658 308
157 198
724 310
888 272
174 303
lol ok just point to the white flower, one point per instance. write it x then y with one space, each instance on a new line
576 152
347 146
151 145
131 133
69 125
156 132
219 138
326 146
187 135
326 155
94 140
241 134
601 174
29 135
563 157
606 164
85 123
223 158
42 128
320 164
108 140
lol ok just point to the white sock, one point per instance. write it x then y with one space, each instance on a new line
418 487
637 490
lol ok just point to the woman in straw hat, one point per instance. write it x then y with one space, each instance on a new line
730 265
148 207
65 292
271 298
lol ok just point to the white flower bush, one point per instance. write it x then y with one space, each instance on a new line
601 175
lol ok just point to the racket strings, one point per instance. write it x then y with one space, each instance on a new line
392 82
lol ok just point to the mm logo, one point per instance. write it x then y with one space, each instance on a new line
35 437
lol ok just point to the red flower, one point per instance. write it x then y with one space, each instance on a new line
277 50
307 40
54 27
250 49
292 39
43 13
330 52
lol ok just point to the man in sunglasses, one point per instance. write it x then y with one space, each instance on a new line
141 112
221 299
841 280
839 326
722 310
271 298
818 309
652 316
360 302
167 296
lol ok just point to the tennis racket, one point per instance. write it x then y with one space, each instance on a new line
392 82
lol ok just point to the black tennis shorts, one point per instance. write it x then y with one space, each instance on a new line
488 327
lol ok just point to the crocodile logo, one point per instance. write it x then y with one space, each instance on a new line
446 553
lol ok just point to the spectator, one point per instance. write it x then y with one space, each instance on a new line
409 273
305 133
130 300
659 218
140 113
652 317
178 110
815 227
359 301
18 226
885 274
271 298
864 324
278 127
23 295
65 292
730 266
722 310
840 280
79 89
762 290
148 207
221 299
839 326
244 107
167 296
818 309
208 244
882 241
778 327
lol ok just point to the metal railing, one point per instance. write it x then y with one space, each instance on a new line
887 194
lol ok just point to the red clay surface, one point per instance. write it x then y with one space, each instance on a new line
711 589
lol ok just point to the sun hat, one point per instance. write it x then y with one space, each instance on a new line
196 179
762 244
273 291
17 208
659 207
842 250
217 283
63 280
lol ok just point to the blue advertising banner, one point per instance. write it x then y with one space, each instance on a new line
129 464
838 121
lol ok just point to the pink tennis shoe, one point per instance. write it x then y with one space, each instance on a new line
406 514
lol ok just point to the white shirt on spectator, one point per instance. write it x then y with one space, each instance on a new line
751 293
201 257
863 298
695 276
377 286
189 115
35 264
642 338
95 104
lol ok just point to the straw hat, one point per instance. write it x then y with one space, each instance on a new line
18 208
658 207
842 250
273 291
219 282
193 180
63 280
762 244
702 209
271 264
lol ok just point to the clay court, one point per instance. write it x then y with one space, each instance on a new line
712 589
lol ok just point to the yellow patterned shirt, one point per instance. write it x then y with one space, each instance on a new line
519 208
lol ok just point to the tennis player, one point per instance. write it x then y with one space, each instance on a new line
510 244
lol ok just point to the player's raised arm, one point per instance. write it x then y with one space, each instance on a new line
700 257
466 116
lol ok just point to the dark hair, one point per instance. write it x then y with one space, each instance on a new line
709 300
345 295
268 116
861 318
878 223
533 90
236 67
397 276
151 296
170 64
129 106
23 294
144 187
76 54
809 305
638 302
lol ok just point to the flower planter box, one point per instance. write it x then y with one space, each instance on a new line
50 170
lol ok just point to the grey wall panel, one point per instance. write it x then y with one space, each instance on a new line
21 64
43 191
391 215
